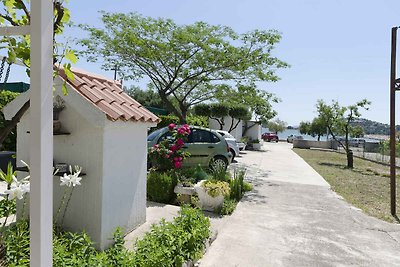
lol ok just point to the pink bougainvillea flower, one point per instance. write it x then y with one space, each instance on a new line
156 146
180 142
177 164
171 126
173 148
176 159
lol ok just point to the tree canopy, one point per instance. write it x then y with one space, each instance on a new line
257 101
147 98
338 121
218 112
276 125
315 128
186 64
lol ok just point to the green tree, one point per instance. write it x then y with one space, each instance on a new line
276 125
258 102
147 98
316 128
338 121
186 64
218 112
16 13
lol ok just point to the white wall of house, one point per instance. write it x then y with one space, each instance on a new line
124 174
113 156
254 132
237 132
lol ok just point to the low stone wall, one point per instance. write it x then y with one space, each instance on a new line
306 144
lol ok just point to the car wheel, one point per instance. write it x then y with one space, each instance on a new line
276 140
233 153
219 162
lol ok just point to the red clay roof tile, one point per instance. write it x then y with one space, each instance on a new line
109 97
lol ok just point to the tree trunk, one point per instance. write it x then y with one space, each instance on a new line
170 107
247 128
350 159
10 125
182 119
319 137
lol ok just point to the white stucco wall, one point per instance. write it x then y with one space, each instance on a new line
237 133
254 132
82 147
114 157
124 174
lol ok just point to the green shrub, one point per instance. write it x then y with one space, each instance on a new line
16 243
167 244
194 120
172 243
219 173
228 207
216 188
167 120
11 141
200 174
247 187
7 207
236 184
160 186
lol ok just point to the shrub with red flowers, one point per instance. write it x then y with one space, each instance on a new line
168 154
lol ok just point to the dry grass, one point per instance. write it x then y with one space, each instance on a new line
366 186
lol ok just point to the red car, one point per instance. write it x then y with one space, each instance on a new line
270 137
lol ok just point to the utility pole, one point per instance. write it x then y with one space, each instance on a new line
394 86
115 69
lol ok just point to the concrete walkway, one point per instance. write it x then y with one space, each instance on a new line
292 218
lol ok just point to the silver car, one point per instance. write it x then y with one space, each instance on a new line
232 143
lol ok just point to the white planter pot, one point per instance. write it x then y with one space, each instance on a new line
208 202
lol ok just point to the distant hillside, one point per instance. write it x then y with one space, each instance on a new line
374 127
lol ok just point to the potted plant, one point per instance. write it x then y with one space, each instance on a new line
58 106
256 144
212 193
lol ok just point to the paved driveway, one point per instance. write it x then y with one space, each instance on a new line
292 218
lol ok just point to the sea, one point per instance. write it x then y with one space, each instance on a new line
284 135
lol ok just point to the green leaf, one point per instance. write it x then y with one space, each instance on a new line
68 72
70 55
64 88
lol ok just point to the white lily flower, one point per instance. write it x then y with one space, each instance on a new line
26 187
16 191
75 179
65 180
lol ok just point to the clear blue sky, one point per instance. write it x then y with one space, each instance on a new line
338 49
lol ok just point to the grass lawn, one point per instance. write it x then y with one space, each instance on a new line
366 186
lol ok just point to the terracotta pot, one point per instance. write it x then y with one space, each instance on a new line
56 126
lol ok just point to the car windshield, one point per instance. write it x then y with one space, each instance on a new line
154 134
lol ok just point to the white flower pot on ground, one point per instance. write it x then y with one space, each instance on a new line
208 202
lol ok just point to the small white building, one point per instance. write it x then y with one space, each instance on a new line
254 130
105 132
237 132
